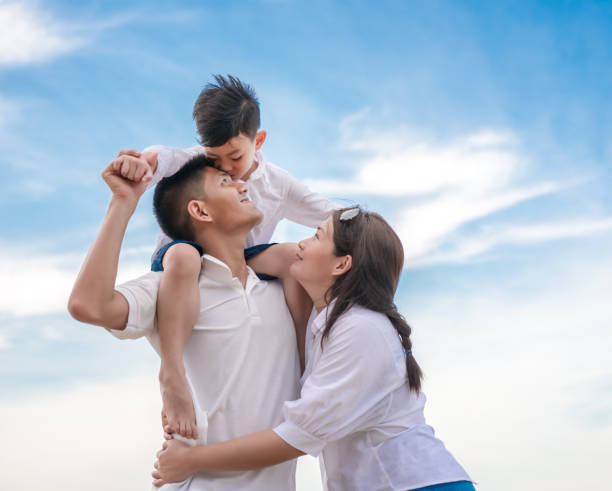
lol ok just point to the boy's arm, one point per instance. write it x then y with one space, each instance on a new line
168 160
304 206
94 299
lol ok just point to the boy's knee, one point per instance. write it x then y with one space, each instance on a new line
182 260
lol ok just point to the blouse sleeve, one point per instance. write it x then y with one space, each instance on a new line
347 390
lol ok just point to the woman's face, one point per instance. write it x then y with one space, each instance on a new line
315 257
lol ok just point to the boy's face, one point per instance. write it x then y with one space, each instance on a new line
237 155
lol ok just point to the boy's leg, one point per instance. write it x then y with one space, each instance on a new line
178 306
275 261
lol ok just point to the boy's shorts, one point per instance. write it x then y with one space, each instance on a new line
249 252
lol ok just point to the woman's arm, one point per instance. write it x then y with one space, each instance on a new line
176 460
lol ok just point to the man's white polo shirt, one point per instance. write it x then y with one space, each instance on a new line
241 361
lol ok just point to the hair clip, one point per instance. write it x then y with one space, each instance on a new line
349 214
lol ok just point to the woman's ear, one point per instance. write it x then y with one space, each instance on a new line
343 265
197 211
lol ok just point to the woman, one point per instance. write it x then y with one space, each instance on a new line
360 406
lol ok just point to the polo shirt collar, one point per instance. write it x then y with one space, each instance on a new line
219 271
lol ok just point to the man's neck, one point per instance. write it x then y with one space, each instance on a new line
229 249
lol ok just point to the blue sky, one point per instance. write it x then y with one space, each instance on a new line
480 130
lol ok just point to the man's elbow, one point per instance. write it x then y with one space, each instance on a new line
82 310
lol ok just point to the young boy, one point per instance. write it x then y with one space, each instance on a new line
228 122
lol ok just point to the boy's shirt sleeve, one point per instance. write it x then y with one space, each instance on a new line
304 206
170 160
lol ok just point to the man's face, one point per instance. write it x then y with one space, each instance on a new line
236 156
227 201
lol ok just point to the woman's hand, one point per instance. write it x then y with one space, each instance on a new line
173 463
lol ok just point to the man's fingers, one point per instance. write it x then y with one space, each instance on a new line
132 171
148 175
125 167
140 172
156 474
156 464
164 445
159 453
158 482
129 151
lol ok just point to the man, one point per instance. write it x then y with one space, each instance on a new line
241 360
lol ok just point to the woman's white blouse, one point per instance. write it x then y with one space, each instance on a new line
357 411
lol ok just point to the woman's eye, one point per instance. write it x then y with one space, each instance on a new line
237 159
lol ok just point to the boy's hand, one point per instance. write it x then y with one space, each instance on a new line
123 187
136 166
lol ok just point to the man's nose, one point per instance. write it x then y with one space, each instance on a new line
241 187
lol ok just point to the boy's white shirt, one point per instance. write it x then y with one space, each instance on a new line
275 192
241 364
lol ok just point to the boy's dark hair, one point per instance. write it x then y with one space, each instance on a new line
225 109
172 194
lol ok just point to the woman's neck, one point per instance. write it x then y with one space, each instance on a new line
318 294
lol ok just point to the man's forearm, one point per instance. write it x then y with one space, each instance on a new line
94 299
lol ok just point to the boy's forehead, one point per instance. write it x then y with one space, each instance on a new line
234 143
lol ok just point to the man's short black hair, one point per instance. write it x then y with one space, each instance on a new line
172 194
225 109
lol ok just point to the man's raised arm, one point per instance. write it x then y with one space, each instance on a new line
94 299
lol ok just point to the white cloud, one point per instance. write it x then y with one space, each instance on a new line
444 186
33 283
98 437
29 34
517 379
463 249
523 377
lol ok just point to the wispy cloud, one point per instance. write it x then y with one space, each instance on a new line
522 366
34 284
68 433
29 34
445 185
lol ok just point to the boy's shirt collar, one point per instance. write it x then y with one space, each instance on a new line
261 163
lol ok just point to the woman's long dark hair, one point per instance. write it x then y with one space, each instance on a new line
377 262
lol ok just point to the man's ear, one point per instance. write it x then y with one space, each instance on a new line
197 210
343 265
260 138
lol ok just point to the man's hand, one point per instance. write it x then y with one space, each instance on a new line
173 463
149 168
127 176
